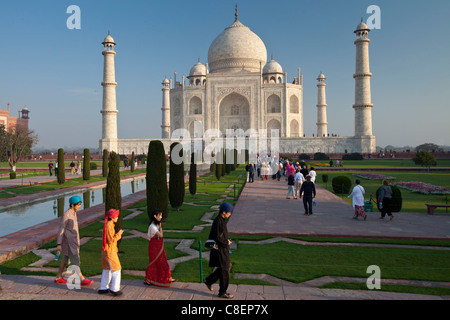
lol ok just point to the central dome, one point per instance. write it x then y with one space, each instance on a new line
235 49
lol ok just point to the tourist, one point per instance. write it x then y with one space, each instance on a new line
280 170
72 167
304 171
158 271
291 183
50 168
264 171
220 257
309 190
357 196
384 200
251 173
111 274
78 167
299 179
313 174
68 242
331 163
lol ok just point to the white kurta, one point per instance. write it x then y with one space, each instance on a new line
357 195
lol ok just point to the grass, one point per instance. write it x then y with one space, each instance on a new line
379 163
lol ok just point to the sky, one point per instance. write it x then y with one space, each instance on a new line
56 72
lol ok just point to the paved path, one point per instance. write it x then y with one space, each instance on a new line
261 209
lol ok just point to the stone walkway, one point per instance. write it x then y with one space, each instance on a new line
259 202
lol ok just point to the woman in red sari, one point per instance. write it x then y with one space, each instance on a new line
158 271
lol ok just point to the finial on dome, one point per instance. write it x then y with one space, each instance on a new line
236 13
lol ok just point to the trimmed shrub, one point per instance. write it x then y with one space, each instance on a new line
352 156
156 179
176 179
105 163
325 178
133 160
61 168
93 166
397 200
303 156
219 167
87 165
12 175
193 176
341 184
321 156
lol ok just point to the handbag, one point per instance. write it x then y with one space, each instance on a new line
211 244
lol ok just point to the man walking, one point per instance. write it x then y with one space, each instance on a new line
220 254
309 190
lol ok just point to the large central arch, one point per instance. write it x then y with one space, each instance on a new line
234 113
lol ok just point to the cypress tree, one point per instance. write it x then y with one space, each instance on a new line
156 179
193 176
105 163
132 162
61 168
176 179
224 162
87 165
218 166
113 195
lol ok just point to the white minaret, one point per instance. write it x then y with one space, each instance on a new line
322 124
109 108
165 125
363 105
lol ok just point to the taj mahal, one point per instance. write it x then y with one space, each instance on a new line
239 88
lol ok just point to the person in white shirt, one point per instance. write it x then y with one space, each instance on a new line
298 180
357 196
313 174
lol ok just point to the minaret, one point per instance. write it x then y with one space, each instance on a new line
109 108
165 125
322 123
363 105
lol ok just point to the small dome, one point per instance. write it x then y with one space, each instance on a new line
108 39
272 67
199 69
165 81
321 76
362 26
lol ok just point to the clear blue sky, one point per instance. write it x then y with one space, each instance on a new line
57 72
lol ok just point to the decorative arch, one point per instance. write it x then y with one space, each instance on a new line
234 112
294 128
195 105
273 104
273 124
293 104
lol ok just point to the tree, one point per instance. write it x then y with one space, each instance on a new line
430 147
176 176
425 159
16 143
156 179
113 194
105 163
193 176
218 170
132 162
86 165
61 167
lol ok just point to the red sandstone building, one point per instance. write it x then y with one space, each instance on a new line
12 122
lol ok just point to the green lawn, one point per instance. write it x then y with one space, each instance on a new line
379 163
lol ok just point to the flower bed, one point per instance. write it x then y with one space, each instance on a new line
374 176
421 187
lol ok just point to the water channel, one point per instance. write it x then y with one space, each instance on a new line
30 214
